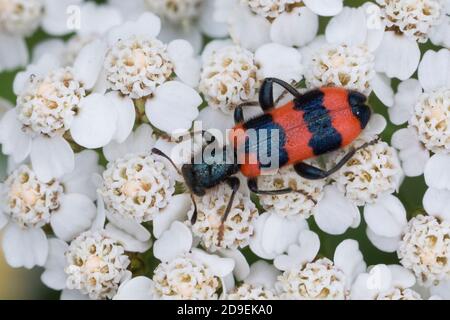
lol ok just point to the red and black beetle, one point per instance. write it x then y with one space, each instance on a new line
310 125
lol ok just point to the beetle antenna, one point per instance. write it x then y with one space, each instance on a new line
194 214
165 156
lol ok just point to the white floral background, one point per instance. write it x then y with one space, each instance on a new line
88 88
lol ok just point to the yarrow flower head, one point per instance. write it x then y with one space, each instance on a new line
232 233
137 187
96 265
185 278
30 202
431 120
136 66
425 248
373 171
305 196
229 77
415 19
47 105
317 280
351 67
20 16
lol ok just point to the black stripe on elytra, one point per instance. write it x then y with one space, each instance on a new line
325 137
264 123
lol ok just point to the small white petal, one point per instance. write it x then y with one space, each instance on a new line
187 65
408 93
280 232
89 63
80 179
278 61
334 214
401 277
191 34
397 56
24 247
15 142
176 210
98 19
100 219
54 276
380 278
13 52
383 243
411 152
129 243
130 226
436 202
173 242
386 217
56 46
126 115
348 27
375 126
433 69
285 28
220 267
360 288
440 34
208 24
75 215
381 86
56 20
95 124
437 172
248 30
325 7
263 273
148 25
173 107
349 259
138 142
258 235
51 157
139 288
241 267
306 250
212 118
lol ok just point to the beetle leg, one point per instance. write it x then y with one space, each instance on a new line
239 112
313 173
234 184
253 186
266 92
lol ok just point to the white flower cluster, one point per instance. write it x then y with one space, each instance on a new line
97 187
